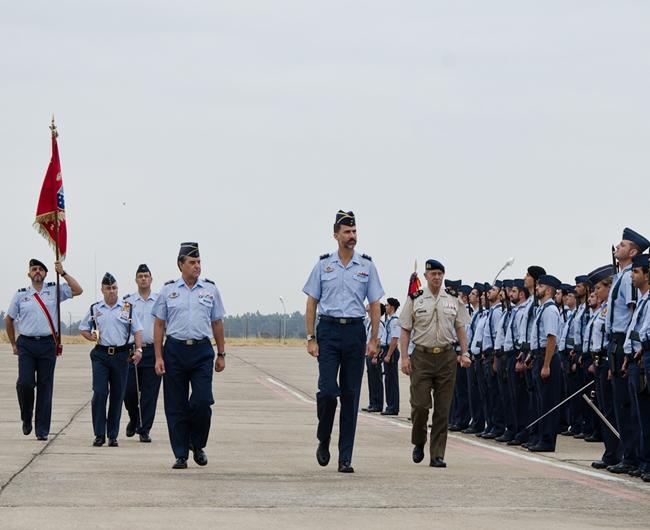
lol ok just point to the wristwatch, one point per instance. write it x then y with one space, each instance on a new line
139 349
311 337
222 354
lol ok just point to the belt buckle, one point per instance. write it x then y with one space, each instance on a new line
190 342
343 320
436 350
111 350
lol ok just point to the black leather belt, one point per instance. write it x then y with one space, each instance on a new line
112 350
189 342
343 321
44 337
539 353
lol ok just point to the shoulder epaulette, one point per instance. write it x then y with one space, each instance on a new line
170 281
22 289
50 284
416 294
208 280
325 256
125 296
365 256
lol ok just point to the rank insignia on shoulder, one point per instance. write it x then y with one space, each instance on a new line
50 284
416 294
365 256
209 281
22 289
170 281
325 256
125 296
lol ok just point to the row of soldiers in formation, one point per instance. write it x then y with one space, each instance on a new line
591 339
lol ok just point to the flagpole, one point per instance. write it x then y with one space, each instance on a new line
59 349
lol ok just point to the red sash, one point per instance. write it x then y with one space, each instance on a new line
59 347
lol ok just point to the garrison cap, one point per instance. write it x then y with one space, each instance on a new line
189 249
143 268
479 287
549 280
536 271
567 288
465 289
453 284
434 265
636 238
345 218
498 284
640 260
37 263
394 302
487 286
601 273
582 278
508 284
108 279
519 283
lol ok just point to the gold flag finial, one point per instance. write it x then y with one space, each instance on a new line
55 133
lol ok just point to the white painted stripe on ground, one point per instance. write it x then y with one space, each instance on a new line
291 391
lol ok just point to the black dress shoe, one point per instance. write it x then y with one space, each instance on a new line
635 472
593 439
470 430
145 438
541 449
599 464
566 433
389 413
490 435
112 442
323 453
99 441
345 467
437 462
27 427
645 477
418 453
454 428
514 441
620 468
372 409
481 434
130 429
580 436
199 456
41 438
503 438
181 463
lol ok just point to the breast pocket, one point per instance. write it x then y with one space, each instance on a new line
206 301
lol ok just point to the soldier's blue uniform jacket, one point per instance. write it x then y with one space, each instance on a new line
491 327
143 310
27 313
527 317
477 337
188 313
566 333
633 338
595 335
112 323
620 297
341 291
512 329
545 323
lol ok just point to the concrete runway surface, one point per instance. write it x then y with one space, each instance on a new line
262 470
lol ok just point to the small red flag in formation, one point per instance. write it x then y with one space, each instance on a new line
414 282
50 213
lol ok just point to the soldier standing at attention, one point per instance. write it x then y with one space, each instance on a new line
143 301
188 312
338 286
33 309
432 316
110 324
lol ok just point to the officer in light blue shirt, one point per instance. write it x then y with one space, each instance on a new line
374 367
188 311
33 310
339 285
391 359
142 408
547 376
475 378
621 303
110 323
495 419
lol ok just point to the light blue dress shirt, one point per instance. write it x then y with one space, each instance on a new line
619 306
481 319
491 327
502 329
28 314
112 323
526 322
512 328
342 291
143 309
393 329
579 325
189 313
636 324
566 332
596 329
545 323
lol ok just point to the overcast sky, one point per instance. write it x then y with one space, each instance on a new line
464 131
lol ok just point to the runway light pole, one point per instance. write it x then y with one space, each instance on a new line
284 320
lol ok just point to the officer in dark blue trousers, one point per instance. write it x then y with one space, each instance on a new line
621 304
142 409
110 324
338 286
460 415
547 374
474 372
391 358
189 311
33 310
374 368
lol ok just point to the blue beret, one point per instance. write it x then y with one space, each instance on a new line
465 289
108 279
453 284
498 284
487 286
601 273
434 265
567 288
636 238
345 218
479 287
143 268
189 249
519 283
536 271
583 278
508 283
551 281
640 260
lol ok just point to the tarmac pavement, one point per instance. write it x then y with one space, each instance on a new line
262 470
